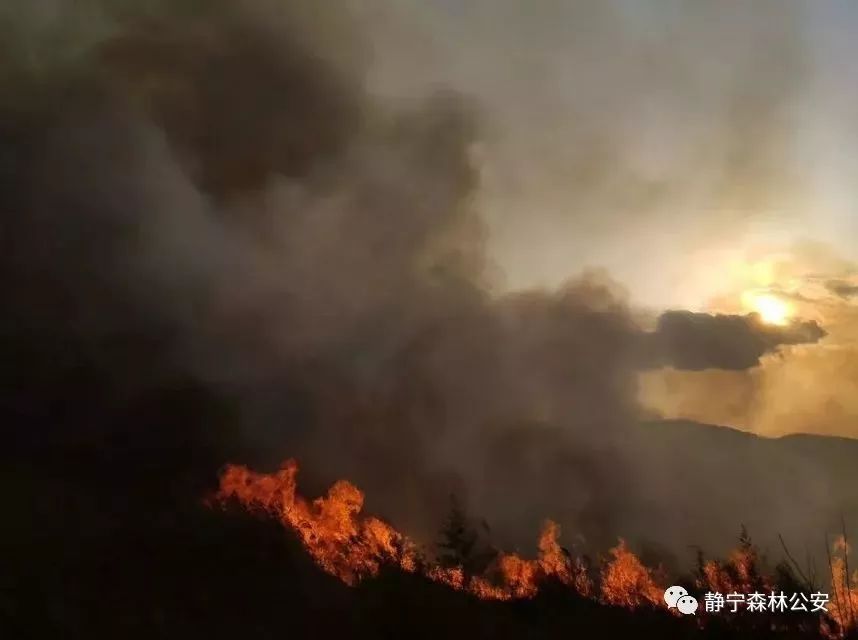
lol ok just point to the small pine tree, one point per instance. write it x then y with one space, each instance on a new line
458 539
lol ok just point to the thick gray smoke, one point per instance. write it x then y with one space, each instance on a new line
213 183
625 134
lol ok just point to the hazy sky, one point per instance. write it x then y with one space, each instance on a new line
695 150
698 152
659 140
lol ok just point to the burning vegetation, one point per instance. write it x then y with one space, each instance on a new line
844 585
352 546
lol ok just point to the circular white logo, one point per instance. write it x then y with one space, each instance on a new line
672 594
687 605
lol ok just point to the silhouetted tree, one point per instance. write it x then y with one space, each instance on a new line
460 543
458 539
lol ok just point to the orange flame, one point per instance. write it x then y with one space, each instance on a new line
341 541
353 546
739 574
626 582
843 605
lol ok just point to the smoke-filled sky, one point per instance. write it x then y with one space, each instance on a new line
696 151
440 246
658 139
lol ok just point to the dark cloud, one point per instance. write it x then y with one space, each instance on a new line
842 288
695 341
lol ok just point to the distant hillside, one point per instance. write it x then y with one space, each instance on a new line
719 478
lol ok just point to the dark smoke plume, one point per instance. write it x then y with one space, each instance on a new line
696 341
205 196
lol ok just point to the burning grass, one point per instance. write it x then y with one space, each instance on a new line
353 546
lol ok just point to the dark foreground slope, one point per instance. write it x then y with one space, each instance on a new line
115 541
219 575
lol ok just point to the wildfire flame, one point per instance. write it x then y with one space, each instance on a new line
627 582
352 546
341 541
844 597
739 574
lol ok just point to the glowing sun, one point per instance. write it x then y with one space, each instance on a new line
772 309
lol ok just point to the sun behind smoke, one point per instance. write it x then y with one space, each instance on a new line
772 309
